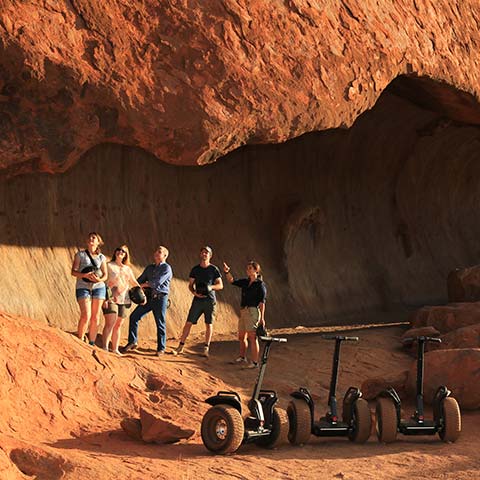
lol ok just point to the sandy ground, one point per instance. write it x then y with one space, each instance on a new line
304 361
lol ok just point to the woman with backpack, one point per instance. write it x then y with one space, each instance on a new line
90 269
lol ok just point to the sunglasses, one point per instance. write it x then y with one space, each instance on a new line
121 250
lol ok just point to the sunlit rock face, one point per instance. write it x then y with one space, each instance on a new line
191 81
345 223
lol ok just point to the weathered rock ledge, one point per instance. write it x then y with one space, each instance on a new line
192 82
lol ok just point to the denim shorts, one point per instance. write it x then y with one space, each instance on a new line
98 293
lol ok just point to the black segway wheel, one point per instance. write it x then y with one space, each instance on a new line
222 429
452 420
279 433
300 419
361 421
386 416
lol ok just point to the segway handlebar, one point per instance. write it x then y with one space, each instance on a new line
273 339
425 339
340 337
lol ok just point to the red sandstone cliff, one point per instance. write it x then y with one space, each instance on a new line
191 81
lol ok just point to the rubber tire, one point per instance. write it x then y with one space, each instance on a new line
279 433
362 421
234 428
386 420
452 420
300 420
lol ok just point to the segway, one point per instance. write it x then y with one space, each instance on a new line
224 429
446 413
356 420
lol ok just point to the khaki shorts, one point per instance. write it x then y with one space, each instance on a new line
120 310
248 320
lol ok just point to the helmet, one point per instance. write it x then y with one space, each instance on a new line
137 295
88 269
261 330
203 288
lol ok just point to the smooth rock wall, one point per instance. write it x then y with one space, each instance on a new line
344 223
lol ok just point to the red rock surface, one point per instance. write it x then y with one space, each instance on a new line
463 284
77 435
373 386
448 317
413 333
191 81
458 369
161 430
466 337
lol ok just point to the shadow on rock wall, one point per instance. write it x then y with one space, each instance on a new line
344 223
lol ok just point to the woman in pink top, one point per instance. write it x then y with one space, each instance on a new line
120 279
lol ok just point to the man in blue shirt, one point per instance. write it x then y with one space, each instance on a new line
156 277
204 280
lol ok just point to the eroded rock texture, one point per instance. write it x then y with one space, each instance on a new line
190 81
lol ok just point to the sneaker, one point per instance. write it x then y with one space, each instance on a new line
252 365
129 346
240 360
206 351
159 353
91 343
178 350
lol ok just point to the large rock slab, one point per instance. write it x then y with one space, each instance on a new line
463 284
373 386
466 337
413 333
448 317
161 430
458 369
192 81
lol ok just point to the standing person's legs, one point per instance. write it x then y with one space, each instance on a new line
110 314
186 331
159 307
242 338
254 346
98 297
252 317
194 313
210 310
94 319
117 328
135 317
84 302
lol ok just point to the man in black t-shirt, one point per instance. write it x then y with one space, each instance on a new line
204 280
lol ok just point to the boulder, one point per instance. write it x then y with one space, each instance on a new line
192 83
160 430
466 337
463 284
373 386
132 427
411 347
446 318
458 369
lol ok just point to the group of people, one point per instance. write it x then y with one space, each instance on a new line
104 286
